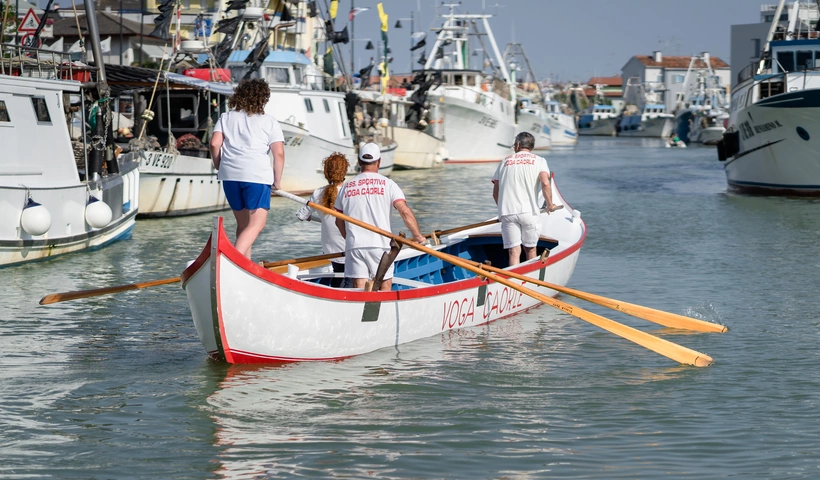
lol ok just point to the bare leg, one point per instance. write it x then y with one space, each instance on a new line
515 255
256 222
387 285
529 252
242 219
359 282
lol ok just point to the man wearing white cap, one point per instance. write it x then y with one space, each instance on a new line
368 197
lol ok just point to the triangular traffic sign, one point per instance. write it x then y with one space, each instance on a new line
30 22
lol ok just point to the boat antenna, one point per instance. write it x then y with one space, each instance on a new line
770 35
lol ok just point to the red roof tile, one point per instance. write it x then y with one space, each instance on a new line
670 61
607 81
590 92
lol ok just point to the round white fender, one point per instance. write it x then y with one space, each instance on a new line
36 219
98 214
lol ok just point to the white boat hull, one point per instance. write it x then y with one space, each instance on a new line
176 184
563 130
304 154
600 127
773 156
417 149
708 136
231 299
657 127
538 127
474 134
70 231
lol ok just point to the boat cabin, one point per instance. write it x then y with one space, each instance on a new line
795 55
183 106
281 69
652 110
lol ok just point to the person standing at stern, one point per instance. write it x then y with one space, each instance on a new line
368 197
516 183
241 147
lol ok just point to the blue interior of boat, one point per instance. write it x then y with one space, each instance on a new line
428 269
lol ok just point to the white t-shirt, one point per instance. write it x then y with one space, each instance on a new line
368 197
332 239
246 148
518 184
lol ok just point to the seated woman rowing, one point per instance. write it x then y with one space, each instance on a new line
335 168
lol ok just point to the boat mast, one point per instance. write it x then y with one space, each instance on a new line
446 37
96 48
772 28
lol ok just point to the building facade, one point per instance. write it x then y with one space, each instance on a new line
664 74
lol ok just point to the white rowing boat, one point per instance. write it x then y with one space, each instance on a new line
245 313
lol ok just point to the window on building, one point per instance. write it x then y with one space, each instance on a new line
678 78
40 110
786 61
804 59
308 105
327 105
4 112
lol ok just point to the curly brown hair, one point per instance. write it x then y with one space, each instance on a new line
336 166
250 96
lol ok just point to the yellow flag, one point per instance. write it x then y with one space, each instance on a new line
382 17
334 7
385 76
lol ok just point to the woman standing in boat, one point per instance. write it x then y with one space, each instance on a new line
335 168
241 145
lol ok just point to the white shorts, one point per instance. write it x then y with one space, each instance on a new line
363 263
520 229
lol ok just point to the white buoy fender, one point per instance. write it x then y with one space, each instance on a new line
36 219
97 213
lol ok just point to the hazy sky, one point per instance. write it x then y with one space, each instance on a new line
570 39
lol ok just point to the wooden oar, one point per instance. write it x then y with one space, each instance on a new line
660 317
311 262
658 345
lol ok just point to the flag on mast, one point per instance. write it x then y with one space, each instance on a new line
385 61
356 11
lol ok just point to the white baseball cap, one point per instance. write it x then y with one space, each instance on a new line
369 153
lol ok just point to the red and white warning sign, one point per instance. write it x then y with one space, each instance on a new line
28 40
30 22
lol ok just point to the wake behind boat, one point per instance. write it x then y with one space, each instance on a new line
231 298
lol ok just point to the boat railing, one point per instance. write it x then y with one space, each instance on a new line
20 61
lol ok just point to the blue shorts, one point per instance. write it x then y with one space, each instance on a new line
247 195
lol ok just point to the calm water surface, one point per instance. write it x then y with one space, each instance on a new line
120 387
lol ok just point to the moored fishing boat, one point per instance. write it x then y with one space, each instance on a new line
177 176
478 113
62 189
775 110
231 297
